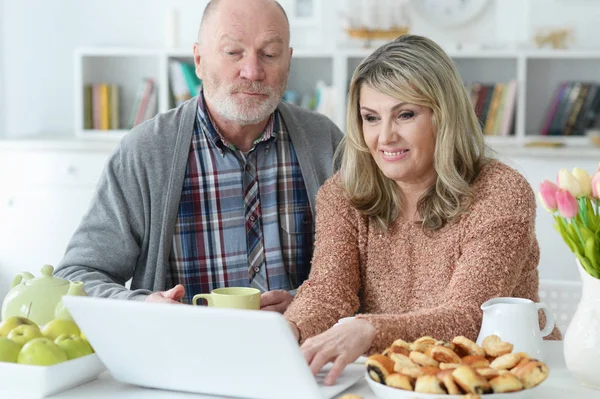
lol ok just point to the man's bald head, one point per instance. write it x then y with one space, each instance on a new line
213 5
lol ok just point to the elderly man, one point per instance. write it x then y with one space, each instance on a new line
219 191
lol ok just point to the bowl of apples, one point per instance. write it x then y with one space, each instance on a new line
40 361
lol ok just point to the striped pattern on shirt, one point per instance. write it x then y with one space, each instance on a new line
210 239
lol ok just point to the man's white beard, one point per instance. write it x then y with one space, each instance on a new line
249 110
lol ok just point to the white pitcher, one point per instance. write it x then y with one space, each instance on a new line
515 320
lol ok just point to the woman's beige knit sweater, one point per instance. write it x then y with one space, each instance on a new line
409 283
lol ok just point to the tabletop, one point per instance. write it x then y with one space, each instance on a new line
559 385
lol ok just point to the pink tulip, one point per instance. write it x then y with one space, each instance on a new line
595 181
567 204
548 195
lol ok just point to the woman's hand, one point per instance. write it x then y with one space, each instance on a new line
341 344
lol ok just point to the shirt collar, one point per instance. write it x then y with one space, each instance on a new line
213 134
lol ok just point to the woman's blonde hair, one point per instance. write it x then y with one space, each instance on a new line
416 70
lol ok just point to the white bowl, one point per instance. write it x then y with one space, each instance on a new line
385 392
41 381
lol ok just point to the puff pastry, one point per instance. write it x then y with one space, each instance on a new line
506 383
400 381
470 381
429 384
379 367
467 346
494 346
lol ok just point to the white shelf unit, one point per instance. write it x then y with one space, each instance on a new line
537 73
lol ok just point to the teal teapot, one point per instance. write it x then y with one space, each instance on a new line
39 299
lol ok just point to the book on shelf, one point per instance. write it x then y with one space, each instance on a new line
494 106
321 100
101 106
145 105
184 82
573 108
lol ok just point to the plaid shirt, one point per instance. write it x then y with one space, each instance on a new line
209 245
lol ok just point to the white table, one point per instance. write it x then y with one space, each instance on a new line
559 385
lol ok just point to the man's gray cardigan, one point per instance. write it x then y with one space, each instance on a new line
128 230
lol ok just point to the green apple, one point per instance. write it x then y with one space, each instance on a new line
58 327
84 337
9 350
24 333
73 345
14 321
41 352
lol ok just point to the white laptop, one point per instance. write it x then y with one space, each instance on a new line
227 352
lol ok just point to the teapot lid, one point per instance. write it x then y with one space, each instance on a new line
47 279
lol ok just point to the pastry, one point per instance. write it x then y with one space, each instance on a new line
395 349
494 346
505 362
412 372
442 354
401 361
350 396
445 344
401 343
487 372
449 366
422 344
379 367
470 396
475 361
430 370
429 384
422 359
446 377
506 383
401 381
470 381
466 346
532 373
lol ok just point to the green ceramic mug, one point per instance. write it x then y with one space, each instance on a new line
231 297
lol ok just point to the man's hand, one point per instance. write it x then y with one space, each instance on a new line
276 300
341 344
173 295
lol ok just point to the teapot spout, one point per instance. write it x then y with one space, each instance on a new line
76 288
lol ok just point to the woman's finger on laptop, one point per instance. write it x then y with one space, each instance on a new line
338 367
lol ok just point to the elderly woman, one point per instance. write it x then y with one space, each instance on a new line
419 227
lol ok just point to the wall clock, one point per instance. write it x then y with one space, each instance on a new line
449 13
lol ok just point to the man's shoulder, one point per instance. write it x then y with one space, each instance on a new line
158 134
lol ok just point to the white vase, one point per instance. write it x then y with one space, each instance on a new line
582 339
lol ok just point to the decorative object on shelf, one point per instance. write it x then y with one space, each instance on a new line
302 13
450 13
376 20
574 203
594 136
555 38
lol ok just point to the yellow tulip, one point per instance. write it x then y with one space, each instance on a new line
585 181
568 182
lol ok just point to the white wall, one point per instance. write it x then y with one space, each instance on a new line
41 36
